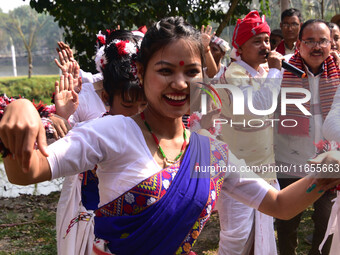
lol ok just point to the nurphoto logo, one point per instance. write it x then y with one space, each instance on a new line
239 97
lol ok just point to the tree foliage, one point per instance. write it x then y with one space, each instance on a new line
82 19
24 23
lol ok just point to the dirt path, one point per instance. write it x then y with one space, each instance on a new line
27 224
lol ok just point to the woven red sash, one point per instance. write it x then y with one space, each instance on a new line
329 81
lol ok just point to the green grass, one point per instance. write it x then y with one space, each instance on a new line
35 237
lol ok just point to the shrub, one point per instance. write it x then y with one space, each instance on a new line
37 87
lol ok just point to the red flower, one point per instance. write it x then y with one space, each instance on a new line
142 29
128 209
121 48
140 200
101 39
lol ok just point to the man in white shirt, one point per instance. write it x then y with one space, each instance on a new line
243 229
295 145
218 48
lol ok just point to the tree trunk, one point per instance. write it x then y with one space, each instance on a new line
30 64
226 17
285 4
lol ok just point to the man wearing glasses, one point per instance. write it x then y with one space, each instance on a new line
291 20
295 145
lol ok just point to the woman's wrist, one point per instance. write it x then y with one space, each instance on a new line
4 152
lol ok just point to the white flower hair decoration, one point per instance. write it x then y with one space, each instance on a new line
100 59
101 38
124 47
122 54
116 47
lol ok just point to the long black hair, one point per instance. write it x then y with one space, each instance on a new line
119 66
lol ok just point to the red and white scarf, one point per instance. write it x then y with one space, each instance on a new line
329 81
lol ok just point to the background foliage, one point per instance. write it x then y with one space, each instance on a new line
32 34
82 19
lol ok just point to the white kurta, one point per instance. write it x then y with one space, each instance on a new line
88 77
241 225
333 227
116 144
331 131
80 238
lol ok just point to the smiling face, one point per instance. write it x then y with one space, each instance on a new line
254 51
314 56
167 78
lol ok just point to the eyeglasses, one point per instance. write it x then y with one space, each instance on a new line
312 44
288 25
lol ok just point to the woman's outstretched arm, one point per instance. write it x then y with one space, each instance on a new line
293 199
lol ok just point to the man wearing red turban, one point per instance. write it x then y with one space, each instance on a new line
246 28
243 229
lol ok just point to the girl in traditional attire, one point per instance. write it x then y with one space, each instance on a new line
121 92
155 192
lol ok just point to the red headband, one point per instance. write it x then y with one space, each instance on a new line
250 25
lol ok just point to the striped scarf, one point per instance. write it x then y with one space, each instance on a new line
329 81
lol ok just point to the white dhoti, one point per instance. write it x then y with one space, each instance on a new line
333 228
242 227
74 224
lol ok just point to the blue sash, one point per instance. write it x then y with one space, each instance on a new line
162 227
89 190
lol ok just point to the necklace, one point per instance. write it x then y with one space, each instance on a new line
167 162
